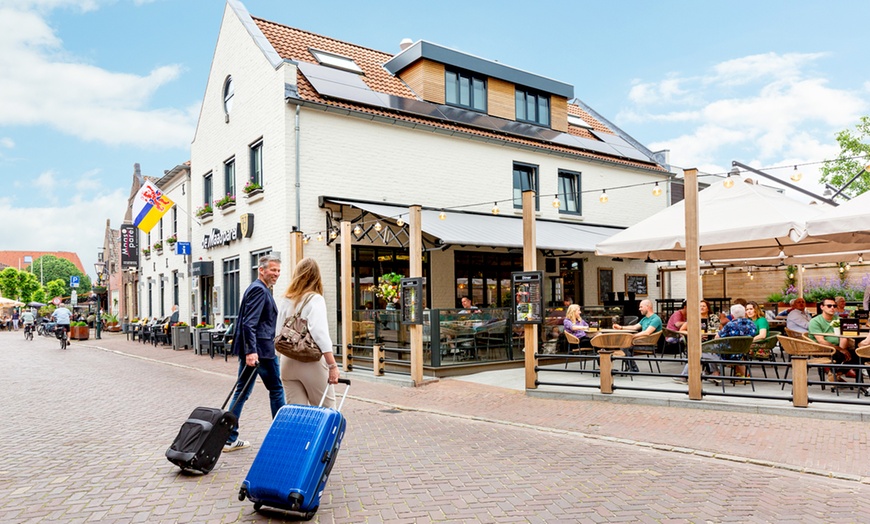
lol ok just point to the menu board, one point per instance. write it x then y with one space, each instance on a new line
129 246
412 300
849 326
528 297
862 316
636 284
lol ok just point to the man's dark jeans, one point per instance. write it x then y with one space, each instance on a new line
269 372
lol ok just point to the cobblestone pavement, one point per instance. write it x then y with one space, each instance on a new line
86 430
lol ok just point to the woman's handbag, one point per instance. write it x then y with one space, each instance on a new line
294 340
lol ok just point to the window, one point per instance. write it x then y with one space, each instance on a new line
229 91
160 230
150 304
175 287
162 295
207 189
465 90
334 60
232 288
175 222
230 177
257 163
533 107
569 192
485 277
525 178
255 261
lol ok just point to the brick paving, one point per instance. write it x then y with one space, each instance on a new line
88 428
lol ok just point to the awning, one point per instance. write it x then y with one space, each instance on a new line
485 229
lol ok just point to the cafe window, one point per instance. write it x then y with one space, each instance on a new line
485 277
569 192
464 89
370 263
525 178
232 289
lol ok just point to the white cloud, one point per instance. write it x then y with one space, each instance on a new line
7 142
76 98
751 68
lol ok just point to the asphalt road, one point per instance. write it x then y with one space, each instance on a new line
85 431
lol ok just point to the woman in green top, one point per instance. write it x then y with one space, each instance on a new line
755 314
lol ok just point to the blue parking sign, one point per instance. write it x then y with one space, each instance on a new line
73 281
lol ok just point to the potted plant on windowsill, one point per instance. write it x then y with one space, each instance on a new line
172 240
146 251
204 211
226 202
158 247
252 188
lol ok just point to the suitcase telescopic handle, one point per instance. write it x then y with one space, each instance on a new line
346 382
236 384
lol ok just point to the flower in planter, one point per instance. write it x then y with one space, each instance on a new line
204 209
173 239
180 324
158 246
227 200
250 186
387 287
146 251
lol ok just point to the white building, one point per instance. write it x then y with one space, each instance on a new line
330 130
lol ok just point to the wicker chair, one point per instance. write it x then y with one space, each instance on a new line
817 354
728 347
574 346
762 350
790 333
647 346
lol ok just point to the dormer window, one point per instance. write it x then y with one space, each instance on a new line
464 89
533 107
337 61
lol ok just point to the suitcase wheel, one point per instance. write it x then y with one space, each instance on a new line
242 494
257 506
310 514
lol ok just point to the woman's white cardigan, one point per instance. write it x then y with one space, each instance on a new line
315 313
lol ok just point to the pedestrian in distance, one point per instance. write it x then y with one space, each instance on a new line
254 344
305 382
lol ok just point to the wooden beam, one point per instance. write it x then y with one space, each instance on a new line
415 247
693 284
530 263
346 298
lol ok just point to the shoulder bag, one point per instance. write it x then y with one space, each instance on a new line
294 340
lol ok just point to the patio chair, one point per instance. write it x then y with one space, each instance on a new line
490 338
762 350
817 353
790 333
863 356
222 342
647 346
728 347
575 346
679 344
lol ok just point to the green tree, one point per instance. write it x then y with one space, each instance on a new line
54 268
57 288
39 295
28 284
854 158
9 283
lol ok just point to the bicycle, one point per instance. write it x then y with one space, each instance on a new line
61 332
28 331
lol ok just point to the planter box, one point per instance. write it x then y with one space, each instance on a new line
180 337
79 332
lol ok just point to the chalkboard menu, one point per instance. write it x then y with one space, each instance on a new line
636 284
529 297
412 300
605 284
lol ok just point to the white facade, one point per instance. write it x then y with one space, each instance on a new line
352 155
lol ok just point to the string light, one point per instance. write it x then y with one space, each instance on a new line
796 175
305 239
495 209
378 226
842 269
399 221
603 198
848 266
556 203
333 234
728 182
657 191
781 254
861 258
357 230
442 215
320 237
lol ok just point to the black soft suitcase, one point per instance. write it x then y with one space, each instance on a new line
202 437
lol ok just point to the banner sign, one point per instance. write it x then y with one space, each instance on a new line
129 246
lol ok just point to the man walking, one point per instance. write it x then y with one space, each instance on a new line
254 343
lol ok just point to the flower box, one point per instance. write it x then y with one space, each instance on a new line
180 337
79 332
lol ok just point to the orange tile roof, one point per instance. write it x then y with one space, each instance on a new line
293 44
16 258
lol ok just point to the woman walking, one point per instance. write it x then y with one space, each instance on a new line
305 382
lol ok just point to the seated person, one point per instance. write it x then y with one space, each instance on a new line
677 321
739 326
798 319
467 306
712 320
844 347
574 323
841 307
649 324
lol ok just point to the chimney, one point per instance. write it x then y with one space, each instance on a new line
405 43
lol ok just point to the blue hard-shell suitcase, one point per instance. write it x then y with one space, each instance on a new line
293 464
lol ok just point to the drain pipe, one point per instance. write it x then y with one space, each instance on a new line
298 169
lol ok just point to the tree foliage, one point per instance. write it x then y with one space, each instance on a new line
54 268
854 157
18 285
57 288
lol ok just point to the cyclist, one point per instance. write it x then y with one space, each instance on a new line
62 316
27 318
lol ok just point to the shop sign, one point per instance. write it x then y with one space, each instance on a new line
243 229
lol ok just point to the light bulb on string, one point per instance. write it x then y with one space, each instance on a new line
790 276
867 168
848 266
728 182
305 239
657 191
842 269
399 221
781 254
556 202
378 226
603 198
320 237
442 215
495 209
357 230
333 234
796 175
861 258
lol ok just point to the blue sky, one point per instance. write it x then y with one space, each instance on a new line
89 87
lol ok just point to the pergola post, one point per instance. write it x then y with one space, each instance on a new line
297 251
530 263
693 284
346 299
415 246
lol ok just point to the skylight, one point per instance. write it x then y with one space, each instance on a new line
577 121
336 61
